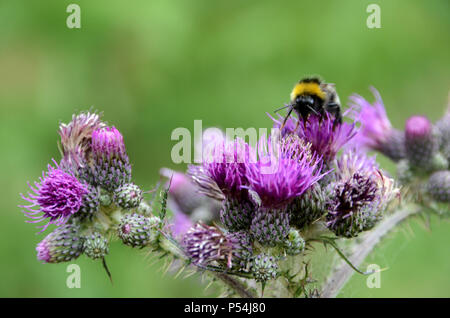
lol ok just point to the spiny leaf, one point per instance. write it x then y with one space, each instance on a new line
107 270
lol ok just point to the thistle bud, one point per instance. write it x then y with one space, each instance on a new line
137 230
354 207
128 196
111 167
438 186
264 267
62 245
309 207
205 244
421 142
242 250
294 243
270 226
443 127
394 145
95 245
236 215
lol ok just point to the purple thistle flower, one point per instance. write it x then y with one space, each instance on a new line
111 167
224 168
359 196
205 244
345 216
108 142
376 132
76 139
278 178
206 185
325 136
353 161
57 196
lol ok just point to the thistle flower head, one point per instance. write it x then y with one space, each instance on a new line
438 186
108 142
205 244
264 267
111 167
282 173
353 161
62 245
376 131
137 230
350 199
421 141
95 245
360 194
418 127
375 125
76 138
56 197
309 207
227 166
294 243
128 196
326 137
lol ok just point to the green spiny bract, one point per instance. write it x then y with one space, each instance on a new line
95 245
62 245
137 230
270 226
264 267
91 203
236 216
128 196
309 207
294 243
438 186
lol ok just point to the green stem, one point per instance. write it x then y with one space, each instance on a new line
340 277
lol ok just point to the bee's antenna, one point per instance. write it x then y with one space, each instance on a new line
285 106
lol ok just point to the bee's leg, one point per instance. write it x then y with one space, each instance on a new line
286 118
298 124
334 109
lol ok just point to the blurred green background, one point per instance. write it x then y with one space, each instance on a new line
152 66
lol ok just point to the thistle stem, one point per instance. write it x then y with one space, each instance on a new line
344 272
235 285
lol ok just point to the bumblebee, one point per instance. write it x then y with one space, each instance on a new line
312 96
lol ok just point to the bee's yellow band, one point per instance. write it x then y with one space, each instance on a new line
307 89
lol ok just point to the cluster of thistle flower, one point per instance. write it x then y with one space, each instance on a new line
305 180
421 151
88 195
